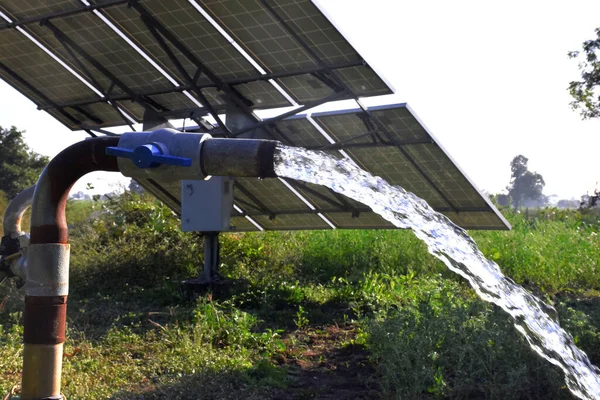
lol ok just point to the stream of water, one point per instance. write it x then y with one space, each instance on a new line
536 320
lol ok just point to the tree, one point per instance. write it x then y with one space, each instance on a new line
20 167
503 200
586 92
525 186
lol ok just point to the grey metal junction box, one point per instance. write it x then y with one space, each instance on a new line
206 204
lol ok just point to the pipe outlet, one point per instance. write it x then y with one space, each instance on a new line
239 157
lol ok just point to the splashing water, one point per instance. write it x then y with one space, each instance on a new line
536 320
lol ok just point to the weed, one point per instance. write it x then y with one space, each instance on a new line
301 318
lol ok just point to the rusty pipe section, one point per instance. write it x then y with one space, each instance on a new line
13 214
238 157
47 273
47 280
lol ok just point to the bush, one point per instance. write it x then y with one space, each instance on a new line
134 241
440 340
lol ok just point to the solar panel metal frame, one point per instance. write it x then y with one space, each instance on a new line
191 89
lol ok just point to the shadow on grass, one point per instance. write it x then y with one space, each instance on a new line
105 297
93 314
232 385
315 365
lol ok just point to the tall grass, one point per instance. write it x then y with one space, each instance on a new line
134 334
555 251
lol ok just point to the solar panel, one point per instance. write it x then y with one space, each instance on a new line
102 63
24 9
275 34
170 57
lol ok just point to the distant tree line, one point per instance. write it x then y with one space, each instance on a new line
526 190
586 100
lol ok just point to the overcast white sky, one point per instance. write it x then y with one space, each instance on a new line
488 78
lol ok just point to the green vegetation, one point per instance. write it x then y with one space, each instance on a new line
585 91
20 167
350 314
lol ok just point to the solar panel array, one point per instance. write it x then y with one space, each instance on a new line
130 57
96 64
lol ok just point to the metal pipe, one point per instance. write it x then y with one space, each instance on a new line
238 157
46 287
13 214
18 267
13 237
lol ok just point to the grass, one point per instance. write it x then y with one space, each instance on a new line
322 314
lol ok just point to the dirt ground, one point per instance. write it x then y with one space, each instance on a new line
322 363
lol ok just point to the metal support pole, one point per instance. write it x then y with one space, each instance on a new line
211 258
208 278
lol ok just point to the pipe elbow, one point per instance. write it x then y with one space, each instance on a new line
48 222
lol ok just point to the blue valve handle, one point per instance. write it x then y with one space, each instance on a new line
148 156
